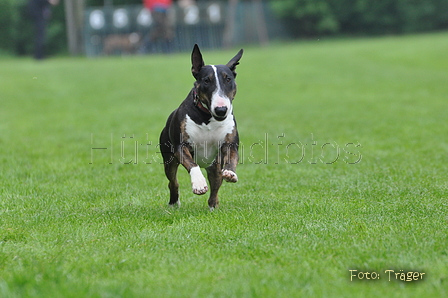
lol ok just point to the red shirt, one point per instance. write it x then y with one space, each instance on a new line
157 4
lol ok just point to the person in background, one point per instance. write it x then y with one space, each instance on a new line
40 11
162 34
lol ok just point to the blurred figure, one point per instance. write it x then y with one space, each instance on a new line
162 33
40 11
185 3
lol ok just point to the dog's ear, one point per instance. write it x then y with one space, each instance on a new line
234 62
196 61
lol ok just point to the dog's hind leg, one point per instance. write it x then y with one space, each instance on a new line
215 180
171 164
173 185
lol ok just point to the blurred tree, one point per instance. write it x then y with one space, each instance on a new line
307 17
9 18
262 30
74 11
230 24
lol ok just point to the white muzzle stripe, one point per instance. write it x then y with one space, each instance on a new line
218 97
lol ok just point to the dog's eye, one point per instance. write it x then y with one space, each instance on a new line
207 80
228 79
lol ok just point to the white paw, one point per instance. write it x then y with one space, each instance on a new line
229 176
198 182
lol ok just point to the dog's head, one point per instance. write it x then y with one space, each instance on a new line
215 86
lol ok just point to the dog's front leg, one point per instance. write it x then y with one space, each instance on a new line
230 159
198 182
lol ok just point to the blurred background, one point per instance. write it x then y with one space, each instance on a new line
126 27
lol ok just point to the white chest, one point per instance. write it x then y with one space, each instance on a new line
207 138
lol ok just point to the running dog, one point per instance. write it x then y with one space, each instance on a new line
202 131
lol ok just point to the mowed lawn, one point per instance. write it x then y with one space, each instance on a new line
344 157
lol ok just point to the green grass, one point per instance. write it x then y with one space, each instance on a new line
373 198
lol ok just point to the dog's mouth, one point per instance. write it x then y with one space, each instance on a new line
218 118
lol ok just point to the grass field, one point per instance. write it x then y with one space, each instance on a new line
343 167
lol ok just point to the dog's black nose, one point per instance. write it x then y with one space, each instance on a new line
221 111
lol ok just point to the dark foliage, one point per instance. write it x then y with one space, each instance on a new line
368 17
